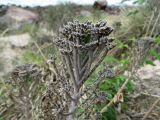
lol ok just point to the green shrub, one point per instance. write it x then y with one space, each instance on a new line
30 56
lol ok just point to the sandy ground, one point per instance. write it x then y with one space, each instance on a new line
11 49
150 78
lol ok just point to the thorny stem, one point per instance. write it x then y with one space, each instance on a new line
150 110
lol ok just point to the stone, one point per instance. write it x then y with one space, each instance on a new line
17 40
101 4
16 17
149 71
85 13
21 15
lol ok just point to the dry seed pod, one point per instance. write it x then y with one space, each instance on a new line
74 30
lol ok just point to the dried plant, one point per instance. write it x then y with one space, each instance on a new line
25 93
83 46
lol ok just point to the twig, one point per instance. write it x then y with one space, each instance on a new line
4 32
151 19
46 46
155 24
87 72
39 49
145 25
125 33
156 96
6 110
95 67
137 115
69 66
150 110
112 101
76 64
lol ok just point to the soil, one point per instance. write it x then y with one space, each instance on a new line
147 91
10 54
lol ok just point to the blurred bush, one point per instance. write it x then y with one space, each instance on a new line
56 16
144 19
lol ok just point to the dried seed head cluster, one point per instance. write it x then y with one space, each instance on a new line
107 72
25 70
26 85
101 97
84 35
85 32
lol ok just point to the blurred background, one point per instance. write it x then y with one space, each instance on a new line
22 23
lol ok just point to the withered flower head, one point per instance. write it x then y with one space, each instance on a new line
84 34
26 69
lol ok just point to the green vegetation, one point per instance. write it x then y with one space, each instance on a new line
32 57
1 66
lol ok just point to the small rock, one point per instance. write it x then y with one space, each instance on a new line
17 40
21 15
101 4
85 13
16 17
149 71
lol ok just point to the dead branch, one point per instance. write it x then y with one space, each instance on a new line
150 110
